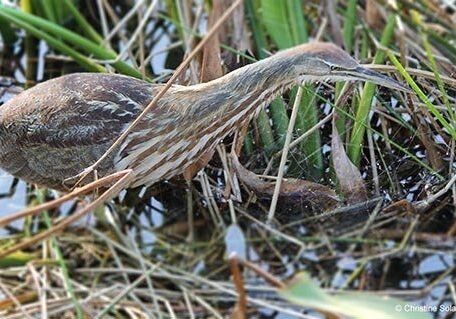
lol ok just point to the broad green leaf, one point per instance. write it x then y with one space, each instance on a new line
285 22
276 21
303 291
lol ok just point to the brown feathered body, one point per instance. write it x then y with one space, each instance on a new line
58 128
54 130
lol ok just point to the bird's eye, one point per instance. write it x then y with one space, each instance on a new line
333 67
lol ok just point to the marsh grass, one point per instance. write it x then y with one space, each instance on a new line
136 261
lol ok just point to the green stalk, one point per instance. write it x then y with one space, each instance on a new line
248 144
440 118
48 8
258 35
7 33
31 23
438 79
279 116
297 22
265 131
349 25
362 114
83 23
57 44
307 118
262 121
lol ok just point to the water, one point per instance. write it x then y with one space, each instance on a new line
13 203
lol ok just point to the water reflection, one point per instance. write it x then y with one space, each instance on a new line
14 202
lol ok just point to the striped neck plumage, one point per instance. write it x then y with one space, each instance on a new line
249 87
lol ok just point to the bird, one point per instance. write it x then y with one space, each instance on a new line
54 130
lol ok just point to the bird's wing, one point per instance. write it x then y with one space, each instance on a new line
77 110
66 124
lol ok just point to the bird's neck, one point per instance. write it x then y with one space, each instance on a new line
257 78
244 90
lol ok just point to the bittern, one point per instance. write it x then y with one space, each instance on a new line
56 129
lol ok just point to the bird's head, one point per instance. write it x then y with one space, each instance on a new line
319 61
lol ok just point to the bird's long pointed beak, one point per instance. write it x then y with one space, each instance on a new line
365 74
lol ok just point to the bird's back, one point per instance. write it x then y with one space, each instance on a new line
56 129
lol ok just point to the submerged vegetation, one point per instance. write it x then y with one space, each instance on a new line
366 207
